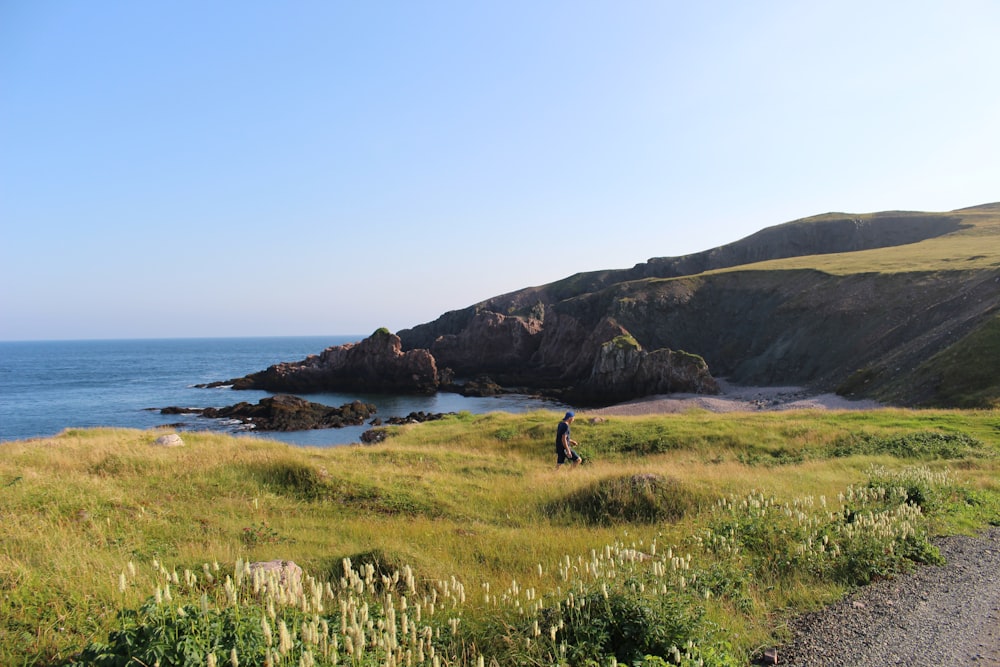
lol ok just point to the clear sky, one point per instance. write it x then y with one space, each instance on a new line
240 168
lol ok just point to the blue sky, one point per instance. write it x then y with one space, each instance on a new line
192 168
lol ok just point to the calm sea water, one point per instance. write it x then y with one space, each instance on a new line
47 386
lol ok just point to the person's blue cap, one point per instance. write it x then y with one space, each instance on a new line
569 414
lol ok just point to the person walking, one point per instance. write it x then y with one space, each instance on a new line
564 443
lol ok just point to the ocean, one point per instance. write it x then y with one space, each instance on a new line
48 386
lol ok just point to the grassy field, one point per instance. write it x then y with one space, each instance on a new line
684 538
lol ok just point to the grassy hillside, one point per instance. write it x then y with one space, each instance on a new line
721 524
975 246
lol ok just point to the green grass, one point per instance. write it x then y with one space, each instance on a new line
973 247
477 500
966 372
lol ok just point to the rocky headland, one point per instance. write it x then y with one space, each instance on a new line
764 311
375 364
619 369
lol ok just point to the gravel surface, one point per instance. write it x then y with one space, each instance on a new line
947 615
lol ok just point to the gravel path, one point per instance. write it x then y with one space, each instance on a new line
948 615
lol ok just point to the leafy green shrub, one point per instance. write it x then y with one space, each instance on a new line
925 445
624 624
259 533
872 542
633 438
643 498
725 579
981 504
382 567
762 533
256 617
158 634
922 487
618 604
876 533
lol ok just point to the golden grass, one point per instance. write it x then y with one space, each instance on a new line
466 496
975 247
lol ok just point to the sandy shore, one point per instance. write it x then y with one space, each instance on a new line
736 399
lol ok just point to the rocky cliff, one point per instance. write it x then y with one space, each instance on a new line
855 303
868 305
376 364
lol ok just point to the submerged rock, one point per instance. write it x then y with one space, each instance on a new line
417 418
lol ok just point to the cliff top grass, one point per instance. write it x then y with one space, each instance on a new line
975 246
477 500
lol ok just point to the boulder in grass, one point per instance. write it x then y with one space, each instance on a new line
169 440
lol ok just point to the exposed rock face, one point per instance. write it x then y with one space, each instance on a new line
582 362
624 370
376 364
481 385
490 341
417 418
570 345
772 327
373 436
862 334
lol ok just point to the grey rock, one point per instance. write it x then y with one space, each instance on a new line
169 440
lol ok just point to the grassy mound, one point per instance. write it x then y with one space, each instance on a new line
644 498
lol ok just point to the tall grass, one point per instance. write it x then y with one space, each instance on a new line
476 502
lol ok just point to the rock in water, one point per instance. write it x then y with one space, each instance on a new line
284 412
376 364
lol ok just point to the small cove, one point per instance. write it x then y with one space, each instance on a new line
47 386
